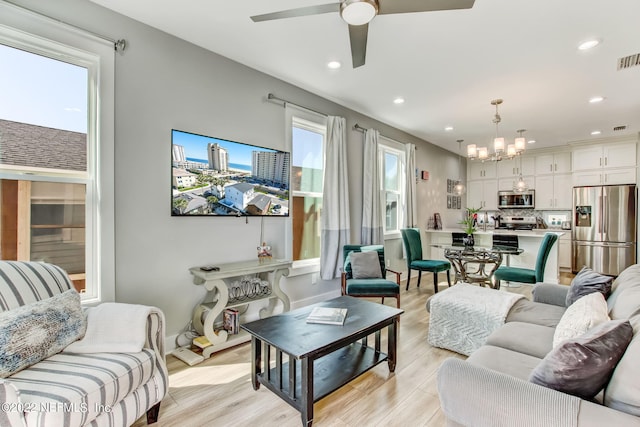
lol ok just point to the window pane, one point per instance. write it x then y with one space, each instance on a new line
43 112
391 211
306 227
390 171
307 164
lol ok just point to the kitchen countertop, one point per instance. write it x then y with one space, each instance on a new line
539 232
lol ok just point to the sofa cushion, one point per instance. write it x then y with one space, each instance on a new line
626 305
365 265
527 338
623 391
588 281
628 278
582 366
508 362
585 313
33 332
535 312
371 287
75 388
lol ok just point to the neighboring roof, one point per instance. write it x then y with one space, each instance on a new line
181 172
23 144
261 202
242 187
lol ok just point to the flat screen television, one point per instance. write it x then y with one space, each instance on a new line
217 177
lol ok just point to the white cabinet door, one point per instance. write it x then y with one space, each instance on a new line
475 170
563 191
490 170
490 191
619 155
508 168
475 194
544 192
562 163
564 253
619 176
527 165
544 164
588 158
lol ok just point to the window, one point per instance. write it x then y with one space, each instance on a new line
51 208
393 184
307 174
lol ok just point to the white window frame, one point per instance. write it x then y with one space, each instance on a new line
313 122
386 145
37 34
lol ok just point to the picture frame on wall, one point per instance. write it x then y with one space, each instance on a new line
449 202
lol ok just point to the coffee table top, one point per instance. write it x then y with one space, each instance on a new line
291 333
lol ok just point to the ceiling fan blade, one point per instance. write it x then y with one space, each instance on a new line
301 11
386 7
358 38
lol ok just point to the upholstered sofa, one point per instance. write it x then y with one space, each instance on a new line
493 386
53 374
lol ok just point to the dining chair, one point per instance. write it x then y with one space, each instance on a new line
368 286
526 275
413 249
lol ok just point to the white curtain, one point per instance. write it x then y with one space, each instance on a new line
411 207
335 200
372 205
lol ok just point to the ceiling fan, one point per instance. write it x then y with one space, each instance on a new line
358 14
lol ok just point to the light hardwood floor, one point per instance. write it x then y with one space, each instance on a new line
218 391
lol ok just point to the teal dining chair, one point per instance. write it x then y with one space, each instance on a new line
413 249
369 286
527 275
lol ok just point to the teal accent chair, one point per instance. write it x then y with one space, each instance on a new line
413 248
526 275
369 287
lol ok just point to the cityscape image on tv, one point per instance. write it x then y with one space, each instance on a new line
211 176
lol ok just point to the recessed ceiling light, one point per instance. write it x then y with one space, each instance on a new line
448 128
531 141
596 99
398 100
334 65
588 44
596 132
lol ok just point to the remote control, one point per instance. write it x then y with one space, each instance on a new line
210 268
187 356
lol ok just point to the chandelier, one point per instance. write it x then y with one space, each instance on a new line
499 153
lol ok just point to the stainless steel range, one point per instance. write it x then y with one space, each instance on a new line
517 223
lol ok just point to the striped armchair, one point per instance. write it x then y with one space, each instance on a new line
74 389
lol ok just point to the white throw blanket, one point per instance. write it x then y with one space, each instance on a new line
113 328
464 315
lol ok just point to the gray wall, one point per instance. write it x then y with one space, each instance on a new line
162 83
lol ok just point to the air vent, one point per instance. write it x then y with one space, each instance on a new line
629 61
619 128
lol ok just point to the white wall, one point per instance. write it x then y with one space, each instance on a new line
162 83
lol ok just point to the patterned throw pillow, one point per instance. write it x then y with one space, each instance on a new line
33 332
587 312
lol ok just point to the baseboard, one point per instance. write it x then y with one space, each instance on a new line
314 299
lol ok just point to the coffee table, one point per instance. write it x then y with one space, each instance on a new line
321 358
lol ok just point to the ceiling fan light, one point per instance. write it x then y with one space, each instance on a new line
358 12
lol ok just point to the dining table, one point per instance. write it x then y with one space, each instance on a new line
476 264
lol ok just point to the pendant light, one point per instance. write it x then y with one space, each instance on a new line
520 185
459 188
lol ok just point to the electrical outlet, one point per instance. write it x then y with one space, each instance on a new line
314 278
388 263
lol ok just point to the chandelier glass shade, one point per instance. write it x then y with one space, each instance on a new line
500 150
459 188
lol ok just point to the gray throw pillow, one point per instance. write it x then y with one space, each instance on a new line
588 281
365 265
582 366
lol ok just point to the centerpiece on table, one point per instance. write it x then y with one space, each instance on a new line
469 226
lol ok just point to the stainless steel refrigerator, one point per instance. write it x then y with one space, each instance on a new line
604 228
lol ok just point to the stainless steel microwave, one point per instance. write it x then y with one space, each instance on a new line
516 199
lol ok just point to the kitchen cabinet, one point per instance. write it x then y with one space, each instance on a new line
480 170
507 184
483 194
564 251
553 163
519 165
554 191
593 157
605 177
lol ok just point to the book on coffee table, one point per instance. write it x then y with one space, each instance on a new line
327 315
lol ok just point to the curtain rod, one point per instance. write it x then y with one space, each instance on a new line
363 130
271 97
118 45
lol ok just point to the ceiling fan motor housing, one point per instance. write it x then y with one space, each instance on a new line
358 12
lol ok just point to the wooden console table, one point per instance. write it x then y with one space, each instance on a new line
217 298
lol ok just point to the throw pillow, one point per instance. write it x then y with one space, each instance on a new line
582 315
584 365
365 265
35 331
588 281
